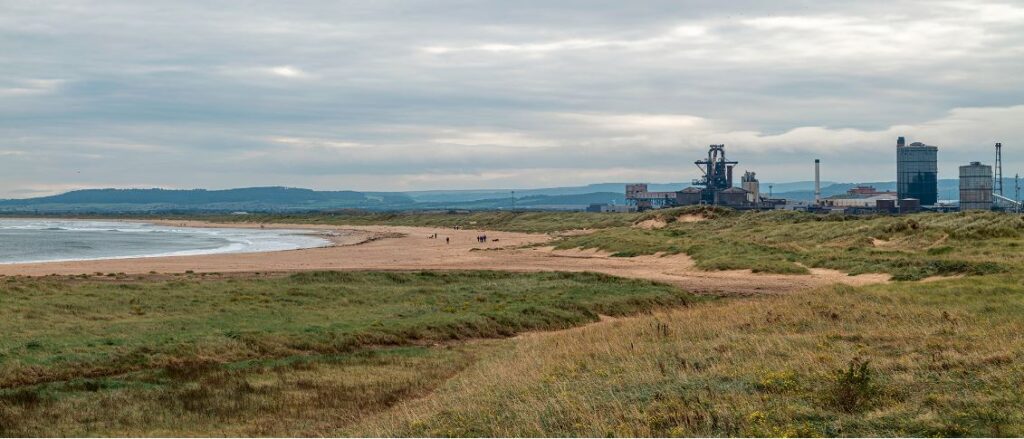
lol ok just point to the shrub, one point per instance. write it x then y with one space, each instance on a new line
852 388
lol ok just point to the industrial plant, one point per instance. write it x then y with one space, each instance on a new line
981 188
714 187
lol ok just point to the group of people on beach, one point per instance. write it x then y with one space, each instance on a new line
480 238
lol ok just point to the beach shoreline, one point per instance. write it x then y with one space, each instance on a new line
30 241
402 248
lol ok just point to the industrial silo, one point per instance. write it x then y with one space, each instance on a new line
917 172
975 187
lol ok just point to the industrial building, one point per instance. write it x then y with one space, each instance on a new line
917 172
638 197
916 187
717 174
714 187
750 184
609 208
975 187
863 197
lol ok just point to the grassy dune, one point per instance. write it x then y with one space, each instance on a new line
908 247
932 359
219 352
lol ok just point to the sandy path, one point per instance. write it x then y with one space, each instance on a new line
410 248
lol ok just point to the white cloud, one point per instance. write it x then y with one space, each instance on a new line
263 73
690 34
1002 13
490 138
31 87
288 72
315 143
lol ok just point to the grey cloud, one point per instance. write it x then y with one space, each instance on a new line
459 93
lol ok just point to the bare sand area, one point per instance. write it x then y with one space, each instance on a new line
413 248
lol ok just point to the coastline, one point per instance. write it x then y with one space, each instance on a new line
405 248
227 239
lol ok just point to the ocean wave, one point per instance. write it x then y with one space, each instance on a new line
93 240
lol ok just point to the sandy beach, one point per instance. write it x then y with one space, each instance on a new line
412 248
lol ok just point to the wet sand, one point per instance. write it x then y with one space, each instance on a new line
411 248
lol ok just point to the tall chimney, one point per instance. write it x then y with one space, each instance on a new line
817 182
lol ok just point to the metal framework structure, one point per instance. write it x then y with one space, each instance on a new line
717 172
998 177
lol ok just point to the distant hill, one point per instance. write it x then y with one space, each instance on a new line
553 202
284 199
256 199
475 195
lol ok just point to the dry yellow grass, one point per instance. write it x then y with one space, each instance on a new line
944 359
307 396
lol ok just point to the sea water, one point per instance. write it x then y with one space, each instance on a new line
48 240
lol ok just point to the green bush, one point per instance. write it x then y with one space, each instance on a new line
853 388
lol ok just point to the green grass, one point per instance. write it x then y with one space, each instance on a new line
206 355
61 329
908 247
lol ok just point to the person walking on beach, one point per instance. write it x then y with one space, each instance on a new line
447 240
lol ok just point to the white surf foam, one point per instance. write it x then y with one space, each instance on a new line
234 240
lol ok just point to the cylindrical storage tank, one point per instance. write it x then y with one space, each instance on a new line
975 187
909 205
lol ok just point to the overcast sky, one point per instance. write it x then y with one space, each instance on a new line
432 94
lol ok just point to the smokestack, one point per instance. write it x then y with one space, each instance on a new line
817 181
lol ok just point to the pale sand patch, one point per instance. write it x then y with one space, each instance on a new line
690 218
411 248
658 223
651 224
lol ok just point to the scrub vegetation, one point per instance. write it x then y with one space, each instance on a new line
910 247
